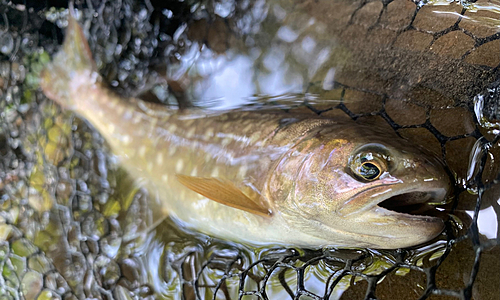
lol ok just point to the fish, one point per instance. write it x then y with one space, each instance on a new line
259 177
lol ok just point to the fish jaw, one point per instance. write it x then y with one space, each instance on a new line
398 229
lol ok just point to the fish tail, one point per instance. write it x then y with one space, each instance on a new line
71 67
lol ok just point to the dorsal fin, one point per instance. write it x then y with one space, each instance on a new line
224 192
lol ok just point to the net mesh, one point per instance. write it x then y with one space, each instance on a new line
73 226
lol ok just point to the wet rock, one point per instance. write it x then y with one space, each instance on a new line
130 269
23 247
414 40
5 231
31 285
485 55
6 42
39 263
47 294
398 14
108 270
479 20
453 121
94 226
454 44
122 293
368 14
405 113
362 103
427 19
55 281
423 136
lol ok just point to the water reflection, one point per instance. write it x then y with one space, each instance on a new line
487 222
229 86
488 218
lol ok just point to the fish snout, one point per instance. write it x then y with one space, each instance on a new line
431 171
424 170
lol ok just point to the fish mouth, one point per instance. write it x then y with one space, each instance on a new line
414 204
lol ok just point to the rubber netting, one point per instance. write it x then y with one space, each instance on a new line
72 226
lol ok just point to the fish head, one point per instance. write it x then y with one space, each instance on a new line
356 185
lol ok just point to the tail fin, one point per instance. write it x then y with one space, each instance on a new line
70 63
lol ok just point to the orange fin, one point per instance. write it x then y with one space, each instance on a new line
224 192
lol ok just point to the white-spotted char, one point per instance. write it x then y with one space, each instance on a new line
259 177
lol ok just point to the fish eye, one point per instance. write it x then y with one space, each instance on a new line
368 166
369 171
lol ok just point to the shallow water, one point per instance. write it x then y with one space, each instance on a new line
73 225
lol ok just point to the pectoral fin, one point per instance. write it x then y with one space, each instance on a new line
224 192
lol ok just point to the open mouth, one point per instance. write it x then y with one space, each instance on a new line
414 203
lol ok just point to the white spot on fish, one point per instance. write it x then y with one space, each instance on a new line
179 166
215 172
226 141
159 158
100 114
172 128
190 133
111 128
194 172
209 133
164 177
142 151
126 139
242 172
149 166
